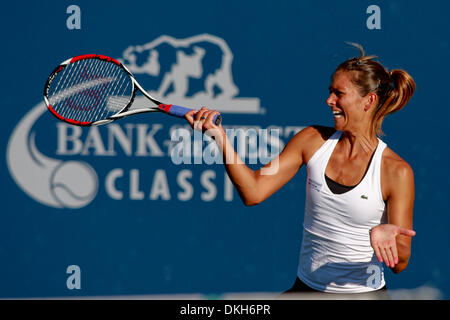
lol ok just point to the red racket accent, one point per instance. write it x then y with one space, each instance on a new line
84 56
59 69
79 123
94 56
165 107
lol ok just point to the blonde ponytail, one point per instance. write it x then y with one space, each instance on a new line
403 87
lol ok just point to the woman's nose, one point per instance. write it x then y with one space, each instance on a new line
331 101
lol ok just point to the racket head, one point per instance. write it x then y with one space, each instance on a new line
89 90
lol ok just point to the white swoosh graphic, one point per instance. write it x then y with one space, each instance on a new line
33 171
55 183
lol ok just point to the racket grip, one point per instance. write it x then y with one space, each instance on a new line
180 112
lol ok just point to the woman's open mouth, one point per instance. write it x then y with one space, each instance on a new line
338 114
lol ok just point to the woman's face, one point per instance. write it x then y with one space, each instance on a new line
346 103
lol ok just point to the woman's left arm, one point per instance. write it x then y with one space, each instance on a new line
392 241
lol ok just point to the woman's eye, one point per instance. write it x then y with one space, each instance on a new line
336 92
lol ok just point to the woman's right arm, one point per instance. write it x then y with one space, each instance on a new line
254 186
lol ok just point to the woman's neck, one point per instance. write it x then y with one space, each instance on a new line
355 144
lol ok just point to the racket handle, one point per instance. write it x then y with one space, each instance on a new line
180 112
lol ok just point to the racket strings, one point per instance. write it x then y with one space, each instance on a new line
58 92
106 91
89 99
92 97
112 91
87 95
117 100
89 90
67 88
81 100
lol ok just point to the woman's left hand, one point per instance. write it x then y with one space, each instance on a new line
383 242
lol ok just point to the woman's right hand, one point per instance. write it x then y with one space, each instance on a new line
202 120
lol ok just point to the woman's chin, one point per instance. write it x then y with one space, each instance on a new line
338 124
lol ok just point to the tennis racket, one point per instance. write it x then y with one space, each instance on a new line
91 90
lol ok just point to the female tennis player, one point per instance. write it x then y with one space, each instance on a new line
359 193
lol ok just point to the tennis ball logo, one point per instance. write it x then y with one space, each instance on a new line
51 182
74 184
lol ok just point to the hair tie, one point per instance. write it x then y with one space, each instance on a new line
385 87
391 73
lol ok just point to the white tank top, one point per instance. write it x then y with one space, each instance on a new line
336 255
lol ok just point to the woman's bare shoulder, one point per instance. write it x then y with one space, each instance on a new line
395 167
316 132
311 138
393 159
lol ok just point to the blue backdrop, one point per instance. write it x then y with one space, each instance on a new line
111 201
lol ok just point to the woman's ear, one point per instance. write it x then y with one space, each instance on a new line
371 102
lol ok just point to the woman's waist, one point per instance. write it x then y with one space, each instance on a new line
336 245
